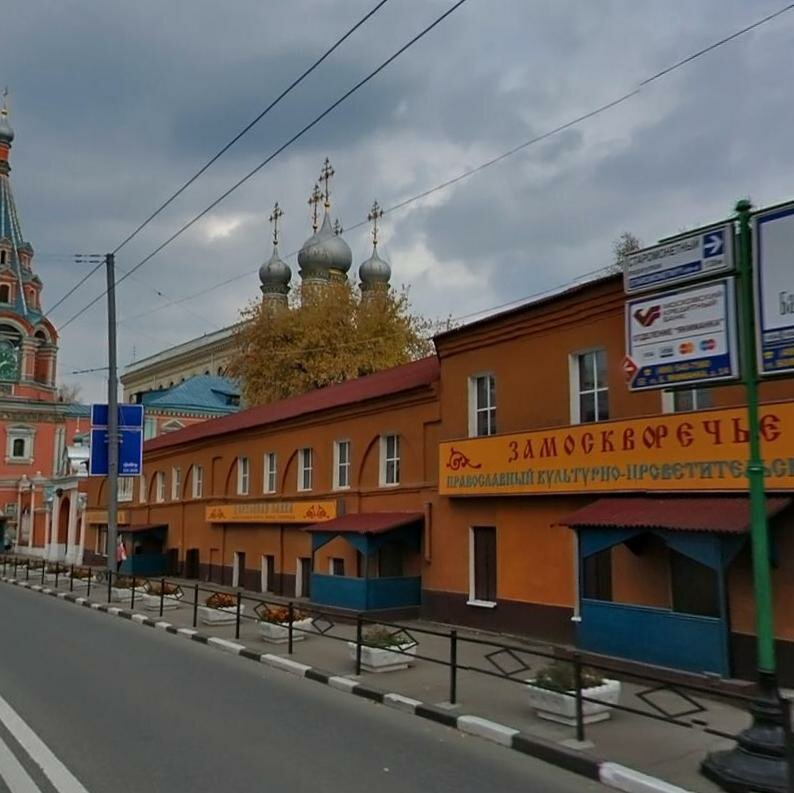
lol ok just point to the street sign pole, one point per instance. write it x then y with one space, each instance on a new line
113 418
760 761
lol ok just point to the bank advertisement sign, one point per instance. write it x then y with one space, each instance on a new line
272 512
694 257
682 337
774 289
682 452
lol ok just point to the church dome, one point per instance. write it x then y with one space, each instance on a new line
374 272
323 252
275 274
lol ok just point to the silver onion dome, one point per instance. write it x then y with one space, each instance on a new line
374 272
323 252
275 274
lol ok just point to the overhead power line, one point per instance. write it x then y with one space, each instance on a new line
294 84
275 154
500 157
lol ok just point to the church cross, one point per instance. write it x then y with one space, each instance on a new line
375 214
325 176
314 201
278 213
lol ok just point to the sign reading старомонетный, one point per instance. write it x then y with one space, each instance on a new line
272 512
677 261
774 289
683 336
675 453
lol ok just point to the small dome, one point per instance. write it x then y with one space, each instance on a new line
275 274
374 272
324 251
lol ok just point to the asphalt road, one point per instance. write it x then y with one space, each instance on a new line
126 708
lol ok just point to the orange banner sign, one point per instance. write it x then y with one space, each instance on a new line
679 452
272 512
101 516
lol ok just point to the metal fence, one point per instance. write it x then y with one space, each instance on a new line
690 704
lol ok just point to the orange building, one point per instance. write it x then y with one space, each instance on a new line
326 494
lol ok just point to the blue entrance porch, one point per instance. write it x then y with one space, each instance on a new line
144 546
370 534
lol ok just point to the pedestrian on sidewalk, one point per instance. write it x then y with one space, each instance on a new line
121 554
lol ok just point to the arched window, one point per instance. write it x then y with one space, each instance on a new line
5 290
3 255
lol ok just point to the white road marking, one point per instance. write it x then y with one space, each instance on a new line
60 776
13 774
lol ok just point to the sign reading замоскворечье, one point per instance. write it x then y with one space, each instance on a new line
677 261
773 235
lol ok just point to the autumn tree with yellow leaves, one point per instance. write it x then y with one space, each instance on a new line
331 335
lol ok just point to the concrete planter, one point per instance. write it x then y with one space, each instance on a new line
278 632
224 615
561 708
124 595
382 659
152 602
79 582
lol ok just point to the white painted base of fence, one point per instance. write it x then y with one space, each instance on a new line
278 633
561 708
225 615
380 659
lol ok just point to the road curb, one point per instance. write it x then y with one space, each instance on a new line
613 775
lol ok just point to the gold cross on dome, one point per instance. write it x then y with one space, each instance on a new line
375 214
278 213
4 108
338 227
325 176
314 201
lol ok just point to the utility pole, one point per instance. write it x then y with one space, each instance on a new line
113 417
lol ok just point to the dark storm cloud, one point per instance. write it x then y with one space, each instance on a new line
115 104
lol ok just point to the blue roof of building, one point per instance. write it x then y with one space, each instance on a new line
202 393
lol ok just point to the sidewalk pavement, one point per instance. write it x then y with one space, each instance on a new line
659 748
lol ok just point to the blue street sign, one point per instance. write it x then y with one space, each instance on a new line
130 452
130 416
678 261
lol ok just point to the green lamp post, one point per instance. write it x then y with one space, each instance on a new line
760 760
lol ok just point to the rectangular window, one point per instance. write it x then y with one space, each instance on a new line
176 483
483 565
198 481
149 427
160 486
694 586
126 484
243 476
305 468
341 464
482 405
589 387
687 399
271 472
390 460
337 566
597 572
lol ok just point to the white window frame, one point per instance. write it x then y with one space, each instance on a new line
575 391
305 465
668 401
339 466
27 435
149 427
475 409
472 601
126 488
243 476
176 482
197 482
385 460
270 472
159 487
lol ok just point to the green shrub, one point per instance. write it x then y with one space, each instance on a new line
385 638
559 676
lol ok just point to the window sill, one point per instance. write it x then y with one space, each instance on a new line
482 604
19 460
341 487
389 484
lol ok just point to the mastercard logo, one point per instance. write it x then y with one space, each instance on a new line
708 344
686 347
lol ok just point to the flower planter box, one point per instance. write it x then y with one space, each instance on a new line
382 659
222 615
561 708
152 602
124 594
278 632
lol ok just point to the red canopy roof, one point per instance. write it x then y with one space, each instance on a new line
727 515
367 522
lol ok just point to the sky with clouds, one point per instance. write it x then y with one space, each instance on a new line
116 104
